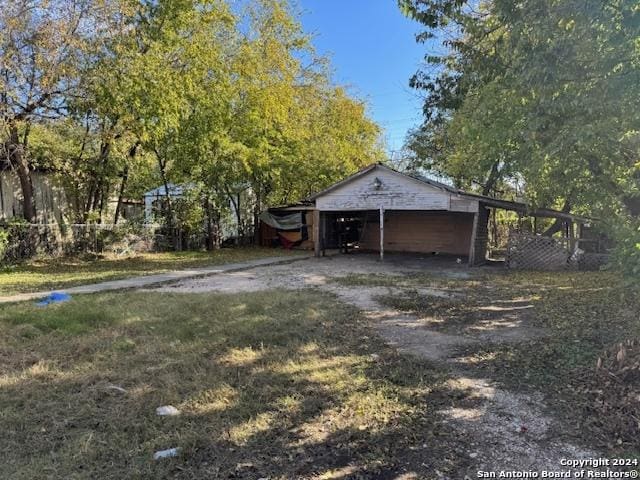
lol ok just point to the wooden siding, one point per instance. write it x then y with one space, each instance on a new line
421 232
49 197
397 192
461 204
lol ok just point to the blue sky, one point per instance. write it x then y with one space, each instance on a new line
373 51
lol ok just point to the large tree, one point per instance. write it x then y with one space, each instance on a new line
541 91
222 98
43 44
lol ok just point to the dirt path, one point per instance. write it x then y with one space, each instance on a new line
504 430
149 280
508 431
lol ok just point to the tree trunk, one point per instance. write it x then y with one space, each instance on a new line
125 176
89 202
239 219
235 201
123 184
97 187
19 163
492 179
256 221
163 175
210 243
104 198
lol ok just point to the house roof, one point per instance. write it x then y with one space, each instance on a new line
161 191
518 207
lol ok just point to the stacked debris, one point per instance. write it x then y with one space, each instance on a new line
615 393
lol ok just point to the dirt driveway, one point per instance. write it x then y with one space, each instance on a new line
501 430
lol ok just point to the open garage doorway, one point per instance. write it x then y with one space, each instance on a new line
428 232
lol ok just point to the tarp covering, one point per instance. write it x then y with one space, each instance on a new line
55 297
286 222
290 239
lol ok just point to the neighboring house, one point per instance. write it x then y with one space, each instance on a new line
154 201
52 204
380 209
49 196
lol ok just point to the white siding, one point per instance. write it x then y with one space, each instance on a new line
461 204
397 192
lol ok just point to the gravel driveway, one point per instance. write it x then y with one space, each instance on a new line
503 430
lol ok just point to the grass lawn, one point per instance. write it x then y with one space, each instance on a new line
295 384
58 273
270 385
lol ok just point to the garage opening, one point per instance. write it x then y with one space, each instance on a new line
431 232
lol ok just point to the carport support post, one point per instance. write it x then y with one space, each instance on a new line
316 232
381 233
323 229
474 236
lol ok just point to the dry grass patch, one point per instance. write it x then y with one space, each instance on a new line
581 315
274 384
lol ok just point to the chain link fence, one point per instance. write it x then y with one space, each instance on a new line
526 251
20 241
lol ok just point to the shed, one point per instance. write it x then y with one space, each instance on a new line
382 209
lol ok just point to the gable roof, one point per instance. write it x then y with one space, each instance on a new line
518 207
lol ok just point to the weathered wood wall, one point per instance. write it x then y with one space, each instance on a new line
421 232
49 197
396 192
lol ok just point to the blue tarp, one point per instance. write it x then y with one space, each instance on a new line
55 297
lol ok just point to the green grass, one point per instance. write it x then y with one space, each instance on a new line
282 384
59 273
275 384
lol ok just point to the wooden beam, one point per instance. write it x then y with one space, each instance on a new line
316 233
381 233
572 237
323 233
474 233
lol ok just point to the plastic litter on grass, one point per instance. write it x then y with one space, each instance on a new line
55 297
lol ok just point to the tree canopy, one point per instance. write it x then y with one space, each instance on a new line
116 96
538 96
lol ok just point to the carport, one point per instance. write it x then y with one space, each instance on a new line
392 211
383 210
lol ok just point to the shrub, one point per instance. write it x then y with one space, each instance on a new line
627 251
4 243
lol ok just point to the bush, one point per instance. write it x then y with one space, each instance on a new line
4 243
18 241
627 251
